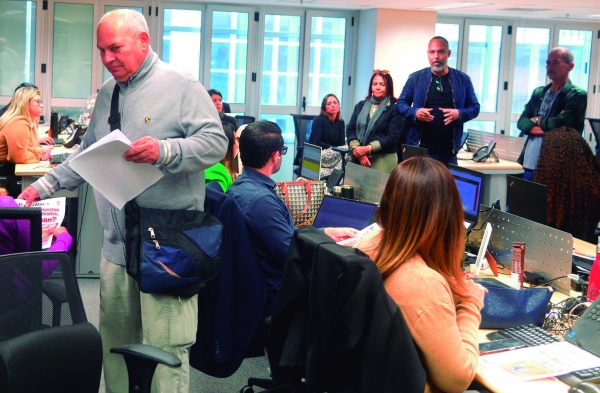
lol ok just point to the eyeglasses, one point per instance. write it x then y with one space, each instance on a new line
384 72
283 150
438 85
39 102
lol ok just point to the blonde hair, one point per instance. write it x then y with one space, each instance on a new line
19 106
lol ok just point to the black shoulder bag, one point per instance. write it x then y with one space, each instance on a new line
171 252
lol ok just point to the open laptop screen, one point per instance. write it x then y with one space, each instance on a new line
340 212
470 187
311 162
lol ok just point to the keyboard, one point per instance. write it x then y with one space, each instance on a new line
530 334
582 262
59 141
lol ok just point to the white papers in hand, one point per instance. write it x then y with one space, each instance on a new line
102 165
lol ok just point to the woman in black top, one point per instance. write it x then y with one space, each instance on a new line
328 129
375 126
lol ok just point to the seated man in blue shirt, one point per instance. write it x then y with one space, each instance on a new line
269 221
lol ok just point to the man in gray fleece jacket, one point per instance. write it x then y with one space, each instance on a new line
175 127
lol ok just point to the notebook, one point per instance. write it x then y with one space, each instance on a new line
311 162
409 151
470 188
340 212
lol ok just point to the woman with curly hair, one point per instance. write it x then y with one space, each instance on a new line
571 172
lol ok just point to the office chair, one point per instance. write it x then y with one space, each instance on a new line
9 180
335 326
226 107
245 119
231 307
35 357
595 125
302 129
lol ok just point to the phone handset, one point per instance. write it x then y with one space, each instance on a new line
484 151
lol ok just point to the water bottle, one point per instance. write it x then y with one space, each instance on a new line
594 279
53 131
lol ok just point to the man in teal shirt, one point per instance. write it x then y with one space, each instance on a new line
560 103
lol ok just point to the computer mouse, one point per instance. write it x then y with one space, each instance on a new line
584 387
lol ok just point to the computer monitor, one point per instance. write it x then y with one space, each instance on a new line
27 222
311 162
527 199
470 188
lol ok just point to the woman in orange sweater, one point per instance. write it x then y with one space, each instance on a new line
419 253
19 143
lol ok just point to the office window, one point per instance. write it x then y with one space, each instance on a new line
580 42
72 50
281 60
107 8
17 44
182 39
531 52
483 64
451 32
326 68
229 51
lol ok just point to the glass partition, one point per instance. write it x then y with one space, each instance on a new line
17 44
229 52
182 39
326 67
281 60
72 50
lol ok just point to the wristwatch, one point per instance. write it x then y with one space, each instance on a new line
536 120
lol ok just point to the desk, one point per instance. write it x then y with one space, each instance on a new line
495 176
89 243
547 385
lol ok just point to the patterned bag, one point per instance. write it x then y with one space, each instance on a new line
303 198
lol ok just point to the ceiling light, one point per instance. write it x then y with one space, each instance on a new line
452 6
594 16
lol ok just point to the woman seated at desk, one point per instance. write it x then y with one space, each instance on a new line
19 142
14 238
224 172
328 129
419 253
568 167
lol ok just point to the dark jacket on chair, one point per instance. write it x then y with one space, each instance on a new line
334 323
231 307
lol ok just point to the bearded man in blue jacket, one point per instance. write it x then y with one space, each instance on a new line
437 101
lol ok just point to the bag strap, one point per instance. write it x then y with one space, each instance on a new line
115 117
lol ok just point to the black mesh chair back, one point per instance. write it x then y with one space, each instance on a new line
595 125
245 119
302 129
35 357
27 283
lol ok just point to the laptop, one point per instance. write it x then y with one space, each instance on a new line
527 199
340 212
470 188
585 333
409 151
311 162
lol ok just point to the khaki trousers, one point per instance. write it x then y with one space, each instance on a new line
128 316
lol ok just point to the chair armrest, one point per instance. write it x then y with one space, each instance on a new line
148 352
55 291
